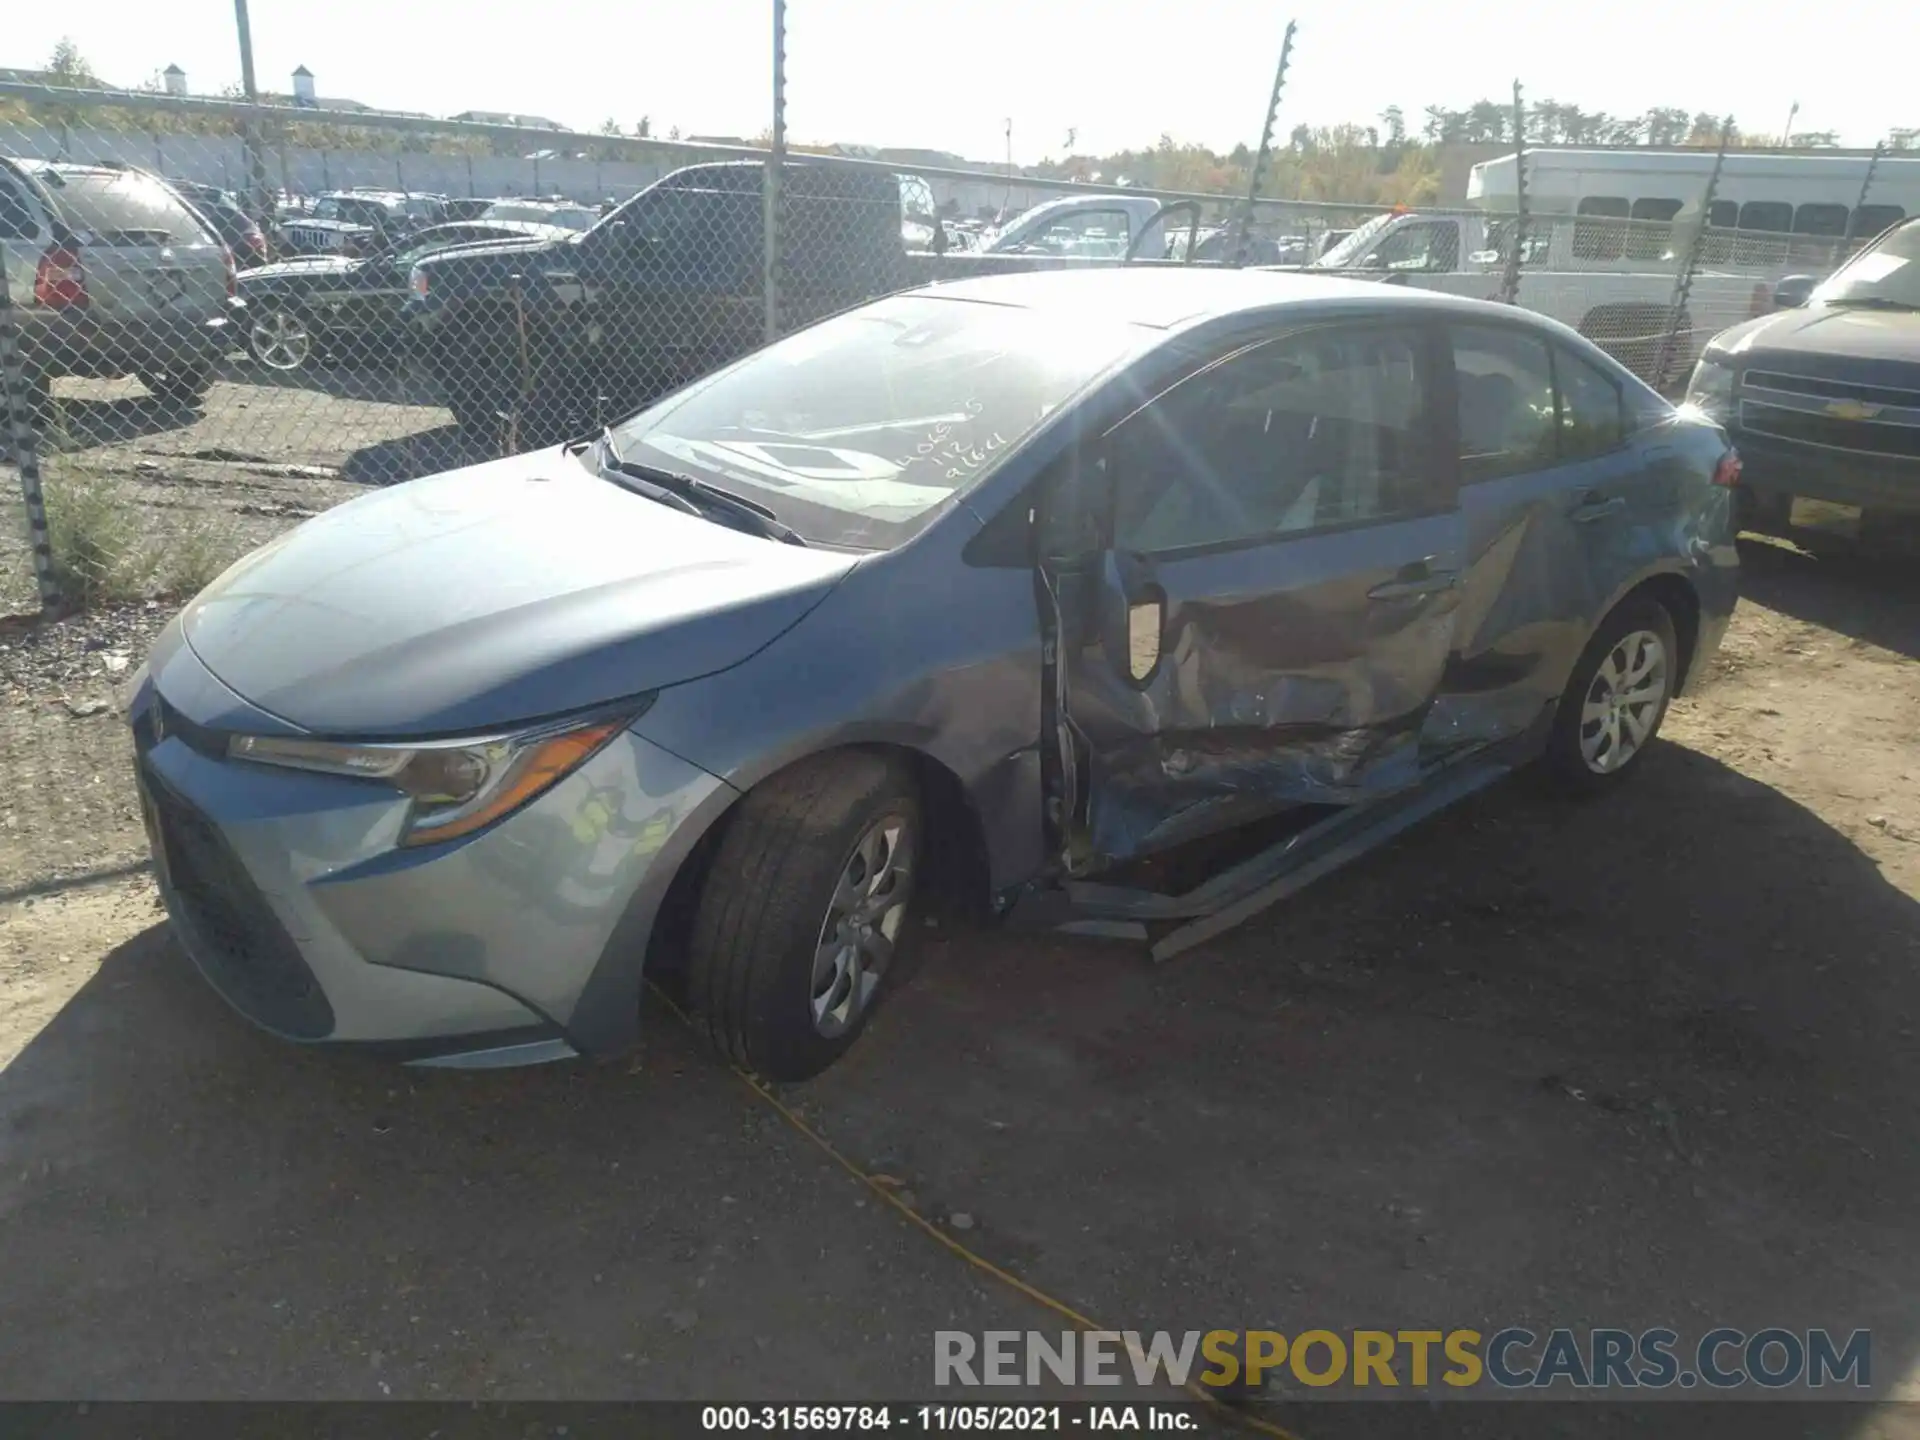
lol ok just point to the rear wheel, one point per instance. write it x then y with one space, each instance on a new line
1616 698
804 913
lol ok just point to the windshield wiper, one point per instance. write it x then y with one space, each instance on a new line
1872 302
696 497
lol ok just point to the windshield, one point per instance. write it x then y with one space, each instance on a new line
1355 245
857 430
1888 273
125 209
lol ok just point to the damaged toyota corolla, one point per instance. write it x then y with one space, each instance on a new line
1118 600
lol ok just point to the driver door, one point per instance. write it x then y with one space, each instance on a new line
1253 580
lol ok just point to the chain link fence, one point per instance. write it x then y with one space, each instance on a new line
216 298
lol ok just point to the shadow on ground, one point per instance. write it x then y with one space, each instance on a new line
1646 1062
1863 598
410 456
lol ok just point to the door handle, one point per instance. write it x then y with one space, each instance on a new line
1429 582
1595 506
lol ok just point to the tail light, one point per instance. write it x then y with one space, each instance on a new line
233 271
1727 473
256 242
418 280
59 282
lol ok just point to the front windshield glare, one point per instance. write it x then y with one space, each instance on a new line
856 430
1889 272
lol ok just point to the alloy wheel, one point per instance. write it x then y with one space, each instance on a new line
862 924
280 341
1623 701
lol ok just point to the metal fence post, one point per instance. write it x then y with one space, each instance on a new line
1516 251
256 205
25 446
770 191
1265 152
1689 265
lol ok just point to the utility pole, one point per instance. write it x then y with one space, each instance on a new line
770 190
257 204
1516 251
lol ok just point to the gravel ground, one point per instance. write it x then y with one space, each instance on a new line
1650 1061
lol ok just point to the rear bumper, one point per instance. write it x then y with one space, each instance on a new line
81 344
1773 472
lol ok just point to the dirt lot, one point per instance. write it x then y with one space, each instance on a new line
1650 1061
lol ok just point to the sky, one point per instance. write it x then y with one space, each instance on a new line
950 74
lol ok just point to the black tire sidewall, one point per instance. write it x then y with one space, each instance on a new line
1563 744
751 979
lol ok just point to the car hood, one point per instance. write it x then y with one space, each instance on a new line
1836 341
518 589
309 265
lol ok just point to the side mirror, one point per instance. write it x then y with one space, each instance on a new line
1372 261
1793 291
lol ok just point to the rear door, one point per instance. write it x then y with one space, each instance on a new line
1257 609
1552 495
149 260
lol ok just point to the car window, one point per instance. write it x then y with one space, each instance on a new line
127 209
1505 397
1591 417
1090 232
16 216
1298 434
1433 246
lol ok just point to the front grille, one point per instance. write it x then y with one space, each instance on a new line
245 950
1810 428
1832 389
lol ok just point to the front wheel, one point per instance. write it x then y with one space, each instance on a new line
805 913
280 340
1616 698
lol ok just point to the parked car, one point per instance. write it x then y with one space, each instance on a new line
1823 396
299 310
230 222
348 222
468 207
987 598
112 273
1099 226
659 291
562 214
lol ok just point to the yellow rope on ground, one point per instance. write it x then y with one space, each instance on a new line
979 1262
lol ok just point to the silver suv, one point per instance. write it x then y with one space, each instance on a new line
111 273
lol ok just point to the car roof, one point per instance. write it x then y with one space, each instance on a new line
1171 297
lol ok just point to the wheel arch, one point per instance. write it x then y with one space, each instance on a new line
955 868
1675 592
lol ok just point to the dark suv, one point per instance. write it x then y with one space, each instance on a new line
112 273
1823 397
358 222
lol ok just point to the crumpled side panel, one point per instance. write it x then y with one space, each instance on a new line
1230 727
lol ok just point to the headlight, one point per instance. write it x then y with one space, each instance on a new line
1711 388
456 786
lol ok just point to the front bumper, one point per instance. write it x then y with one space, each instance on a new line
524 942
1774 471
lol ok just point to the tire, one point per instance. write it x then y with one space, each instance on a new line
761 981
280 339
187 385
1590 756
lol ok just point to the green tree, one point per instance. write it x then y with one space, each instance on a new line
68 66
1395 121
